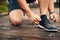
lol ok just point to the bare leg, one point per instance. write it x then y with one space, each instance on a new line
16 16
53 16
51 6
43 6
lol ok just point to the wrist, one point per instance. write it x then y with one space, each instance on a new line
29 14
51 12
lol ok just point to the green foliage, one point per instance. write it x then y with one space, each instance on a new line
3 6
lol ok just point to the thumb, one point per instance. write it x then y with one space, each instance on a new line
52 17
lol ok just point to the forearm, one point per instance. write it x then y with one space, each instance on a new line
24 6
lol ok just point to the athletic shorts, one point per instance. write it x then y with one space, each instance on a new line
12 4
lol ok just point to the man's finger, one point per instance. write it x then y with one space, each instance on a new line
51 17
38 19
35 22
54 19
35 19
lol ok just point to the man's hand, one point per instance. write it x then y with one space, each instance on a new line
54 17
34 18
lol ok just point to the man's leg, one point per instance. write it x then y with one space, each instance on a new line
15 12
53 15
51 6
43 11
16 16
43 6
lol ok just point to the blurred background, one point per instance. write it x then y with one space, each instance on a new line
3 6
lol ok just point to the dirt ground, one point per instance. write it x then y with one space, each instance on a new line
27 30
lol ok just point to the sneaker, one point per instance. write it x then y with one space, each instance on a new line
46 25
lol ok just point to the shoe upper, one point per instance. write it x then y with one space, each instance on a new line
46 23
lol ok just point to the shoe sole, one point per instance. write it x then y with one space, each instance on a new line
40 26
54 30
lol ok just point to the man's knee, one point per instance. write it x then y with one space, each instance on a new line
16 22
16 17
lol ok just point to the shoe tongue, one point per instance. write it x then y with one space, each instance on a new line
43 17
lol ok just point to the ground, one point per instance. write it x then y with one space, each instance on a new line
27 30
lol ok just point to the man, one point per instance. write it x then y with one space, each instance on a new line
17 7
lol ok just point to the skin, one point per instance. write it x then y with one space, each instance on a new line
16 16
54 17
19 14
48 5
43 6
